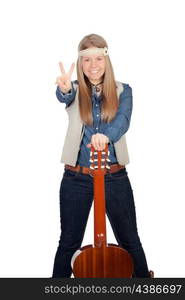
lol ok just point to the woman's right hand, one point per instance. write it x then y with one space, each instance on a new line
64 81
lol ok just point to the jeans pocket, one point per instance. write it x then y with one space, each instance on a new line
118 175
68 174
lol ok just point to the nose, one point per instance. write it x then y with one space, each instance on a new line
93 63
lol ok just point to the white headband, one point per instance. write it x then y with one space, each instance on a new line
89 51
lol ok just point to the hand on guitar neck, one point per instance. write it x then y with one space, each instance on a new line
98 141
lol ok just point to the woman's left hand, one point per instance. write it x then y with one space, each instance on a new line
98 141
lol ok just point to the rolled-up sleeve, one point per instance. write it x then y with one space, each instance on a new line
120 124
66 98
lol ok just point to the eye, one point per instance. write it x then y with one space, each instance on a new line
100 58
86 59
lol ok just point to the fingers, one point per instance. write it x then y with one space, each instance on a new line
60 81
71 69
62 68
99 141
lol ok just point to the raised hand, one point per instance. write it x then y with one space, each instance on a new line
64 81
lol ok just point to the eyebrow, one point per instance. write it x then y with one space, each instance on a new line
90 56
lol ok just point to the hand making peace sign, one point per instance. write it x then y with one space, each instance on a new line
64 81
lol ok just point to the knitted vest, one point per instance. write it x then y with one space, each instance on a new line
76 129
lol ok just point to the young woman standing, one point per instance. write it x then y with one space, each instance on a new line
99 109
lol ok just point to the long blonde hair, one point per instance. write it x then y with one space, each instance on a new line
109 95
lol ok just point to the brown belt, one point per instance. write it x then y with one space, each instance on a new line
85 170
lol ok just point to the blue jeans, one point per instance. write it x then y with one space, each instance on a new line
76 197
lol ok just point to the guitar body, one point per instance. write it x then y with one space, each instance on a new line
102 262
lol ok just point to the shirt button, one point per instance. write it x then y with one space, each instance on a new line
97 115
96 104
96 127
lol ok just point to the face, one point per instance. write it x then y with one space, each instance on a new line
93 66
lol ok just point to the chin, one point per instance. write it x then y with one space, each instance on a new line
95 77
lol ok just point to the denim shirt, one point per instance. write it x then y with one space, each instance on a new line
113 130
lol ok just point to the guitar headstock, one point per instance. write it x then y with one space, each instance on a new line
99 159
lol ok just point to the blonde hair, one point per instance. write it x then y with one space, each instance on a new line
109 95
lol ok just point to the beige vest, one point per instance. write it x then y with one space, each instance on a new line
75 133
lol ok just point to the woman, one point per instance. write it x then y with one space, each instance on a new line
99 111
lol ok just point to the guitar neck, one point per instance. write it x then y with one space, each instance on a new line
99 210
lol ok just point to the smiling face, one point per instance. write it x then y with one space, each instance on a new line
93 66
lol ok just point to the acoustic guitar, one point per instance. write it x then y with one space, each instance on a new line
101 260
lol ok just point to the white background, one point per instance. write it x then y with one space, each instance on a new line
146 45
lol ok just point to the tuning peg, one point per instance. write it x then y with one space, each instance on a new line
95 167
107 159
102 167
107 167
91 167
103 159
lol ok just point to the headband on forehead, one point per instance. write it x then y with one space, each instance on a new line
103 51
